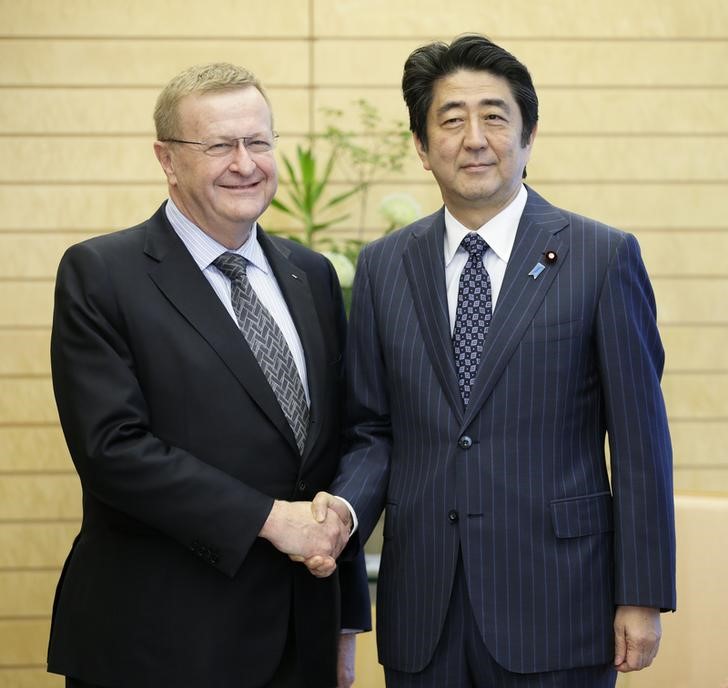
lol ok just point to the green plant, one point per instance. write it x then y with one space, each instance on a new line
370 153
361 157
305 188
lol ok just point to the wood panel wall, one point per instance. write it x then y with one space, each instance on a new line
633 131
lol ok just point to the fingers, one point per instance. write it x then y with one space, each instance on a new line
320 566
320 505
620 647
337 531
323 563
324 501
291 529
637 633
297 529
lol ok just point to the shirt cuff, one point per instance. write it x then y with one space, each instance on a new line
354 520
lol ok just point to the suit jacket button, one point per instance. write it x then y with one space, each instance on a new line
452 516
302 486
465 442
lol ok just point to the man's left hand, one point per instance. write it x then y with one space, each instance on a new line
637 633
345 664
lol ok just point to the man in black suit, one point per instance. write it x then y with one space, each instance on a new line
197 372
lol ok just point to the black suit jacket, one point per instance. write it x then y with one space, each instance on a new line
181 449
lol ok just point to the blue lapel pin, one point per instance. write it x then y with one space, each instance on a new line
537 270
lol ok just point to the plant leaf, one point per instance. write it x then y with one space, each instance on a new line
343 196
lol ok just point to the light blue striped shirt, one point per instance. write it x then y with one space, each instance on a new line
204 250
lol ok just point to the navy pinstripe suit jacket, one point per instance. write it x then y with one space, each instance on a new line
518 481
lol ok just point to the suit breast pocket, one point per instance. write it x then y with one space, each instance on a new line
575 517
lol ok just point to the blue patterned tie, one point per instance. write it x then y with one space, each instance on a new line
473 314
268 345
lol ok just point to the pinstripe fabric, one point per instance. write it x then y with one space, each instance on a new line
547 550
461 661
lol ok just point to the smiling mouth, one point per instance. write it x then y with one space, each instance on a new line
240 187
476 166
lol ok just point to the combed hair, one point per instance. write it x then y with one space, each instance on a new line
199 79
472 52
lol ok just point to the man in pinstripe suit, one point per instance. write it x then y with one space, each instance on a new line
509 559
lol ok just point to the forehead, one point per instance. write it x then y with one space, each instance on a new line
225 112
470 88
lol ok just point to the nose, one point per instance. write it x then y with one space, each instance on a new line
474 134
241 160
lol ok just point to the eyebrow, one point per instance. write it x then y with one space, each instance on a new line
487 102
223 137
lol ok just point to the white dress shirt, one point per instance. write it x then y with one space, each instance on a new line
204 250
499 233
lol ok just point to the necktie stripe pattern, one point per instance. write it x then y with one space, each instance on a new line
268 345
473 313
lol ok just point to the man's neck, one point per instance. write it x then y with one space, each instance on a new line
475 216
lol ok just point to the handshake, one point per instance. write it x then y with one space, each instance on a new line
313 533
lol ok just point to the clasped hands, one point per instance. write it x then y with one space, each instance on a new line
313 533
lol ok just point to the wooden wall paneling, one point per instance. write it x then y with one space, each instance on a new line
161 19
423 20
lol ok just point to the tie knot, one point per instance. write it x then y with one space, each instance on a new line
474 244
231 265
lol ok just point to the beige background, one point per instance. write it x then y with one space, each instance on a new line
633 131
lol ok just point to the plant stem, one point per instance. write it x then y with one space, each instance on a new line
363 199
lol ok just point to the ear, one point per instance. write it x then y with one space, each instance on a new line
422 152
164 155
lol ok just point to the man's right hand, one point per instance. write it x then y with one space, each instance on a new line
324 505
292 528
323 501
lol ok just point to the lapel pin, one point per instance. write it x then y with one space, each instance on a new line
550 257
537 270
294 276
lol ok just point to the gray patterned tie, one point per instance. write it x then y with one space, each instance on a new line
473 314
267 344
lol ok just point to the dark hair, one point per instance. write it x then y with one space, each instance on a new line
472 52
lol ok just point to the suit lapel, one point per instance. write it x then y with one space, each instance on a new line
424 264
539 231
181 281
297 293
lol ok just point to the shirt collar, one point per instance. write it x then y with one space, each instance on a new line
499 232
204 249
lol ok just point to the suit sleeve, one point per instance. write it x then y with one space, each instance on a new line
108 428
356 611
364 469
631 360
